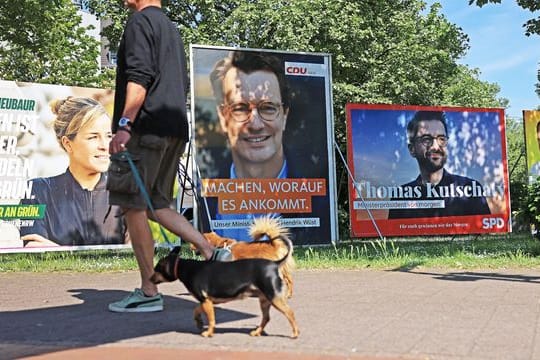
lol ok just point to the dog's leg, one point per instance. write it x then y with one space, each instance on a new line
208 308
265 308
197 317
280 304
287 278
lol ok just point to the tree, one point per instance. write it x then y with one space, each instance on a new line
517 168
389 51
383 51
525 198
532 26
468 90
42 41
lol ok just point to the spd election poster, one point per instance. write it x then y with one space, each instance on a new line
53 167
263 141
427 170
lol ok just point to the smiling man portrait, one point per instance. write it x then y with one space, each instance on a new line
427 136
253 103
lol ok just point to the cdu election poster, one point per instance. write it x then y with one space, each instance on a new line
427 170
263 131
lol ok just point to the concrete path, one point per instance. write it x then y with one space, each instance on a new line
366 314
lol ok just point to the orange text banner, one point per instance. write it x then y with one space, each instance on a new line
242 196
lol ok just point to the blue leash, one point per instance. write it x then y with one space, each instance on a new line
140 184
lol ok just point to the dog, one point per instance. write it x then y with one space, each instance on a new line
270 241
214 282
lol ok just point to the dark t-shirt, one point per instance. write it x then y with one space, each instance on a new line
453 206
151 54
73 215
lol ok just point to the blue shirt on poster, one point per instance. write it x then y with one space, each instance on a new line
242 234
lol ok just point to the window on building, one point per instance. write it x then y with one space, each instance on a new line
82 5
111 57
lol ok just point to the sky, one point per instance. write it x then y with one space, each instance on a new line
499 48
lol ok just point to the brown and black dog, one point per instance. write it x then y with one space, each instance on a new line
214 282
270 241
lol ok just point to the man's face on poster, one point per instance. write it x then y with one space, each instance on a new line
429 145
252 115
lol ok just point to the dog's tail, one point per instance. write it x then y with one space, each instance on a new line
266 228
269 229
287 256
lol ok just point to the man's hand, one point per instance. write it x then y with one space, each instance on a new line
35 240
119 141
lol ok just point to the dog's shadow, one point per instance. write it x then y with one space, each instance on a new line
90 323
245 331
224 315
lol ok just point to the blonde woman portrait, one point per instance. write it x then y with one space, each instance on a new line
77 207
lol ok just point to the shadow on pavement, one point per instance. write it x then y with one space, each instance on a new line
472 276
46 329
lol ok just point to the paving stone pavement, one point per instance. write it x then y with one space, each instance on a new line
361 314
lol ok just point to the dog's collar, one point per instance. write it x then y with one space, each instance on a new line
176 263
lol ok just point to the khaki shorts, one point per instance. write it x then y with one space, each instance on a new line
156 159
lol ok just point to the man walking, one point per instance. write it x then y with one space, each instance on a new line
150 122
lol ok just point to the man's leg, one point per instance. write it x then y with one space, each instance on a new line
143 247
162 180
179 225
147 298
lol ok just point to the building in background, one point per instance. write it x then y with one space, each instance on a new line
107 58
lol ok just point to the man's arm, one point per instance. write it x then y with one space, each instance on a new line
135 95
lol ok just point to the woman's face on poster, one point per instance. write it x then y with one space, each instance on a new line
258 136
89 149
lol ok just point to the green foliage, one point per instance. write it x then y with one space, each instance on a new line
43 41
515 146
530 209
116 15
486 252
525 198
466 89
394 51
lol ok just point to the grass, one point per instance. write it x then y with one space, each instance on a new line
512 251
486 252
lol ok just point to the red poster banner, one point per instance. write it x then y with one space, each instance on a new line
427 170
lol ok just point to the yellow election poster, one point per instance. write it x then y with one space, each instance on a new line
531 124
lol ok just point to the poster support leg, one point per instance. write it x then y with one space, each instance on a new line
205 205
358 191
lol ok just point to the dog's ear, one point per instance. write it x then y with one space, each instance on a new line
175 250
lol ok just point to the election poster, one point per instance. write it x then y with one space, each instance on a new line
531 124
53 167
263 141
427 170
